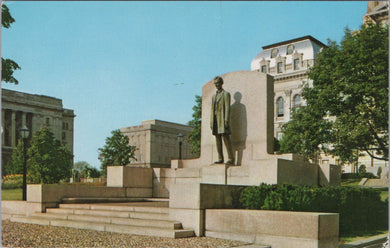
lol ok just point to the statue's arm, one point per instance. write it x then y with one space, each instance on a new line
227 108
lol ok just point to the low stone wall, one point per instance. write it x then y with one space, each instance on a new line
49 195
280 229
18 208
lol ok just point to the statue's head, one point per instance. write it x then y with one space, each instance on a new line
218 81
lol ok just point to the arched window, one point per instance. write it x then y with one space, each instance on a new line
297 101
280 106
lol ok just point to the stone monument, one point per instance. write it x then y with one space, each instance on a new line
251 120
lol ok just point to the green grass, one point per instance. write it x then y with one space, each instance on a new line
350 239
11 194
384 194
350 182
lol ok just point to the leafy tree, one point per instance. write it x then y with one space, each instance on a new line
196 123
350 84
116 151
86 170
305 132
90 172
8 65
48 161
15 165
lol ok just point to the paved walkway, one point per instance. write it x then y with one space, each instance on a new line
29 235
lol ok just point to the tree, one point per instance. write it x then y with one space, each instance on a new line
8 66
305 133
116 151
15 165
48 161
196 123
86 170
348 103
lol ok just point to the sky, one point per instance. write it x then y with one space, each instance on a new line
118 63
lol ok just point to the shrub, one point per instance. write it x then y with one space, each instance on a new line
14 181
361 209
357 175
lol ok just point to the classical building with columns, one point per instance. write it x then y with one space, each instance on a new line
157 143
34 111
289 62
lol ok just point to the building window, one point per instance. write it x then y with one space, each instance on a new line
280 106
274 52
264 68
280 67
290 49
297 101
296 64
47 121
63 135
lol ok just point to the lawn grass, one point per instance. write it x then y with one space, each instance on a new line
384 194
11 194
350 182
350 239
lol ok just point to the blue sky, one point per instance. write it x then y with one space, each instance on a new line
119 63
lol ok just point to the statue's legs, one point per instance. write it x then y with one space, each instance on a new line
218 139
229 148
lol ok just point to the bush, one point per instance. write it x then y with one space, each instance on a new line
361 209
14 181
357 175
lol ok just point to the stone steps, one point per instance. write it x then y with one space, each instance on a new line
122 218
111 199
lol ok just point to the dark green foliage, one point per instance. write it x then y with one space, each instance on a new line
8 68
8 65
6 18
357 175
91 172
276 145
84 169
48 161
196 123
116 151
361 209
350 83
15 165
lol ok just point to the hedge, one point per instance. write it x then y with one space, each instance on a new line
361 209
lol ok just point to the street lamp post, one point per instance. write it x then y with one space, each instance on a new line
24 134
180 139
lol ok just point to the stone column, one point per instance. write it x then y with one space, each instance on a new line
13 128
24 118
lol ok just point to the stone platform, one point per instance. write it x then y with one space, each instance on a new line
140 218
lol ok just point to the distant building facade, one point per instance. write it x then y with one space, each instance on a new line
34 111
289 62
157 143
377 12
